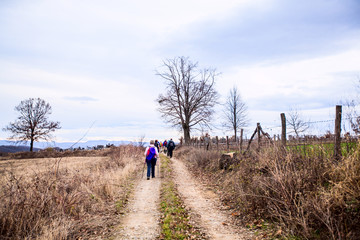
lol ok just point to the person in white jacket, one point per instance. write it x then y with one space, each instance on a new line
151 155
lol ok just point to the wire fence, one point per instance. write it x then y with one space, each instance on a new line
318 132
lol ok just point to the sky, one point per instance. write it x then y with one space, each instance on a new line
95 62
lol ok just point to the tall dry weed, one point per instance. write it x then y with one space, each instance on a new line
311 197
67 203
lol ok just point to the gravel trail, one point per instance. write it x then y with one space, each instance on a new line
141 220
205 207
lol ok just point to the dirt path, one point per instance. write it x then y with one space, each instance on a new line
141 220
205 206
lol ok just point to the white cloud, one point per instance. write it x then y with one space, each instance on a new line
72 52
305 78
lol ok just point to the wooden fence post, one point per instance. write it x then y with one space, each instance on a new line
283 129
241 140
227 143
337 147
217 143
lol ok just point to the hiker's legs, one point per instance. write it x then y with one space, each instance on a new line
148 168
170 153
153 163
153 170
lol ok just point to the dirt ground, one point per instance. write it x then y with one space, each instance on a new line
206 207
141 220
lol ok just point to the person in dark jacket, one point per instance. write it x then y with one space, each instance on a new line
170 147
157 145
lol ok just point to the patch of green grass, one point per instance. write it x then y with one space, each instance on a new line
175 222
324 149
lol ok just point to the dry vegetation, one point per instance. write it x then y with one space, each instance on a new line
66 197
286 193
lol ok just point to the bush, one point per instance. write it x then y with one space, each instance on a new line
312 197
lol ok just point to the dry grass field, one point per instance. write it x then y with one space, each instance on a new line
66 197
29 167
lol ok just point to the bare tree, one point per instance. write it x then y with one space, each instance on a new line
33 123
190 95
296 122
353 116
352 110
140 141
235 112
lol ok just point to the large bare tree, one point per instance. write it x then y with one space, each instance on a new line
235 111
296 122
32 123
190 95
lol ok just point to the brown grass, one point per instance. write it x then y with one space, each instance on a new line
307 197
65 198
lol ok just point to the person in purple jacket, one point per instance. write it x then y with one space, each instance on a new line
151 155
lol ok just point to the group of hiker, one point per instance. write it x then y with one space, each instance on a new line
152 154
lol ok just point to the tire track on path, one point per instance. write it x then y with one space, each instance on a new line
216 223
141 220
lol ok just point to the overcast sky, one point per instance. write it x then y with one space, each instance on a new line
95 61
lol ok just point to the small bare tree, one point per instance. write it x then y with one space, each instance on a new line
33 123
235 112
140 141
190 95
353 116
352 110
296 122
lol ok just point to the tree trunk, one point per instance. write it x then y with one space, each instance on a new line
31 144
235 130
186 134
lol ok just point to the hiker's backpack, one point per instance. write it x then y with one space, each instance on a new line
171 144
150 154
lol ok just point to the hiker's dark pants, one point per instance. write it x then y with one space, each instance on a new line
151 168
170 152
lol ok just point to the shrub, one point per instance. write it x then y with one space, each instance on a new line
312 197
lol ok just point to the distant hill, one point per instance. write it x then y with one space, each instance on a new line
94 143
14 149
11 146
